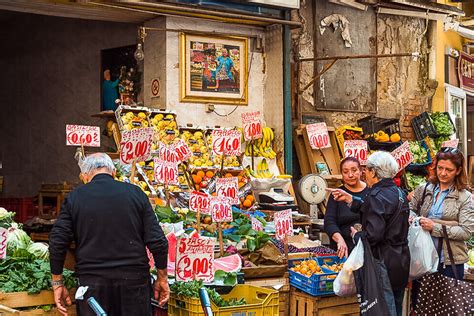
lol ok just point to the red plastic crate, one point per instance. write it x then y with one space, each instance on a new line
24 208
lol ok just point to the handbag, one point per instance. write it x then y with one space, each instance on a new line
442 295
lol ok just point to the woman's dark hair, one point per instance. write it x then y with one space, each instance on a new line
457 158
349 159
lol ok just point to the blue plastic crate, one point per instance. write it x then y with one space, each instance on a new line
317 284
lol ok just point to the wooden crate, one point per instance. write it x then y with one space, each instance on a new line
23 299
283 291
6 311
305 304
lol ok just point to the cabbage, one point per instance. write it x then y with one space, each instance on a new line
6 218
39 250
16 239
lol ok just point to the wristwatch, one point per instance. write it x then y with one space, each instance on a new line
57 283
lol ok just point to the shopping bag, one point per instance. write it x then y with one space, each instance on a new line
424 257
344 284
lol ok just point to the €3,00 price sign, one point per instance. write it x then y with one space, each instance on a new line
199 201
77 135
226 142
318 135
228 187
252 125
357 149
195 259
136 145
221 209
283 224
3 242
165 172
403 155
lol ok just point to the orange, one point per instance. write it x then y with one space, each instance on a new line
250 198
198 187
240 178
241 184
214 193
247 203
228 175
200 173
197 179
209 174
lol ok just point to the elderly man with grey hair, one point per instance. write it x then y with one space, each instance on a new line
384 214
111 224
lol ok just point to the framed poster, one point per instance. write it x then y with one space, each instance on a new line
213 69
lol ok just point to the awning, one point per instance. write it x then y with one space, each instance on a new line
419 8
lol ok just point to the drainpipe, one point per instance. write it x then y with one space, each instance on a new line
288 130
463 31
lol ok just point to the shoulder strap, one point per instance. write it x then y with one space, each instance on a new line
450 252
397 212
418 207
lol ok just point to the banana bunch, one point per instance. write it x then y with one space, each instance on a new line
262 147
262 171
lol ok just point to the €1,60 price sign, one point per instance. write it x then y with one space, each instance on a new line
283 224
252 125
226 142
403 155
136 145
357 149
228 187
3 242
77 135
318 135
165 172
221 209
199 201
195 259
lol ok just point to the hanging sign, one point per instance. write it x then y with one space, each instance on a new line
357 149
228 187
283 224
195 259
221 209
199 201
3 242
318 135
77 135
165 172
256 224
252 125
453 143
403 155
466 71
226 142
136 145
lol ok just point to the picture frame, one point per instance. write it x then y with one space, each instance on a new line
213 69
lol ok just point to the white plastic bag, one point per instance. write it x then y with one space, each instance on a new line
424 257
344 284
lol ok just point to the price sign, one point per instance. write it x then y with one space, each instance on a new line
3 242
357 149
283 224
318 135
221 209
165 172
453 143
252 125
182 150
81 134
136 144
195 259
226 142
166 153
228 187
256 224
199 201
403 155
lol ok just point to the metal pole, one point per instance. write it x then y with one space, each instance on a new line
414 54
288 141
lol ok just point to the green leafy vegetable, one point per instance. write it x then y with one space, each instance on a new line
413 181
39 250
226 278
191 290
166 215
6 218
442 123
420 154
16 239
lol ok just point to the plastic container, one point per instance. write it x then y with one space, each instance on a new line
423 126
317 284
372 124
260 302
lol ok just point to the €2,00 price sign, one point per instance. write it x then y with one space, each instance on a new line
221 209
199 201
403 155
195 259
357 149
283 224
226 142
228 187
136 145
252 125
77 135
165 172
3 242
318 135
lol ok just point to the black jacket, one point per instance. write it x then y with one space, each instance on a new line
111 223
391 242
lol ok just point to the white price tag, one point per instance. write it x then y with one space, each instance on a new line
228 187
165 172
136 144
226 142
252 125
3 242
453 143
318 135
88 136
283 224
256 224
199 201
357 149
221 209
195 259
403 155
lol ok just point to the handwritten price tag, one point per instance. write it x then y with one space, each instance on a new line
3 242
257 225
199 201
226 142
182 150
403 155
195 259
166 153
252 125
228 187
357 149
453 143
318 135
283 224
221 209
136 144
88 136
165 172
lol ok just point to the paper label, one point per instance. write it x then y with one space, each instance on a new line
88 136
136 144
252 125
221 209
403 155
357 149
283 224
318 135
195 259
228 187
226 142
199 201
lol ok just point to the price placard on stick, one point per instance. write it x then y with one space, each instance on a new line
165 172
221 209
318 135
136 145
257 225
226 142
283 224
182 151
199 201
3 242
228 187
403 155
453 143
195 259
357 149
166 153
77 135
252 125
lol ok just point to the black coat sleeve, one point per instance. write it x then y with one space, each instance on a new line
330 218
60 238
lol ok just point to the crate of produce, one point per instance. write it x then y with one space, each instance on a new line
318 282
443 124
423 126
131 117
347 132
372 125
165 126
422 156
195 138
259 302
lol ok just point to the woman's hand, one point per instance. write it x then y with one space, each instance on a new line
342 250
340 195
427 224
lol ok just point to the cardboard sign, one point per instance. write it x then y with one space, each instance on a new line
182 151
226 142
318 135
403 155
221 209
165 172
283 224
357 149
252 125
136 144
200 201
3 242
195 259
166 153
256 224
453 143
88 136
228 187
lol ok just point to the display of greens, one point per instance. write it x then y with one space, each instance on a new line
191 290
420 153
442 123
6 218
413 181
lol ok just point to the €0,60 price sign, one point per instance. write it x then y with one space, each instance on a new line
77 135
357 149
221 209
199 201
165 172
403 155
3 242
195 259
283 224
252 125
226 142
136 145
318 135
228 187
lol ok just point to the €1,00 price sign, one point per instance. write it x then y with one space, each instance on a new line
318 135
228 187
199 201
195 259
357 149
221 209
3 242
136 145
403 155
252 125
226 142
165 172
283 224
77 135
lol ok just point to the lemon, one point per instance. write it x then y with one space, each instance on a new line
141 115
159 116
169 116
145 123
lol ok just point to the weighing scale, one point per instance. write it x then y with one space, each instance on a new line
313 191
